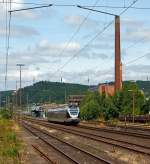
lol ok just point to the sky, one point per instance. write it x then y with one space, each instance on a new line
68 42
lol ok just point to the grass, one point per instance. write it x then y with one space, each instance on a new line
9 144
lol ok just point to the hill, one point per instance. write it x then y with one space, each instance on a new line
145 86
45 91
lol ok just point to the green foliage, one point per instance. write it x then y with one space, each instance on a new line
10 145
90 110
11 137
45 91
123 100
95 105
10 151
146 106
5 113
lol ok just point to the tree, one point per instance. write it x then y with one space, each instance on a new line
123 99
90 110
121 103
146 107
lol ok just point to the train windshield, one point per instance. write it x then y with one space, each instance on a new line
73 111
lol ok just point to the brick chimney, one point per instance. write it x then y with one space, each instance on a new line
118 65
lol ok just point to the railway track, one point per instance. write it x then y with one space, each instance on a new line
73 153
144 135
143 149
43 155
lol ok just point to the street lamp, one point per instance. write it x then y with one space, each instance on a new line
133 104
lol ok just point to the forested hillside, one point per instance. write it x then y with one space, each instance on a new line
145 86
45 91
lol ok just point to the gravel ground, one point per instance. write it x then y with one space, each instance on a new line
30 156
100 148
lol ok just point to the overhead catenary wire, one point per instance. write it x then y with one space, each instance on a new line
86 45
73 5
134 2
77 30
97 35
23 3
136 59
8 30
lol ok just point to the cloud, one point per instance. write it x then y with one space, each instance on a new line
143 69
15 6
132 23
76 20
95 76
46 48
90 54
19 31
132 33
102 46
138 34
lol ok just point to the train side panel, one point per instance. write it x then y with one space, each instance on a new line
57 116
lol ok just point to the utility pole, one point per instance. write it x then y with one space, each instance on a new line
20 67
0 100
16 95
133 110
27 102
65 96
88 83
133 105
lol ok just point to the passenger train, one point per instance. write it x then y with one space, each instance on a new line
68 115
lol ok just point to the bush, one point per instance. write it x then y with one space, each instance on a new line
6 114
90 110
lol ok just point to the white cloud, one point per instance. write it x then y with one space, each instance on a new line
138 34
132 23
19 31
76 20
15 6
133 32
53 49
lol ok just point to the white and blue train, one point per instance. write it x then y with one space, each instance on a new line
68 115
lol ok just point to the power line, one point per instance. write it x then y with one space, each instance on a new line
99 33
8 32
73 5
86 45
120 7
23 3
134 60
134 2
78 29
